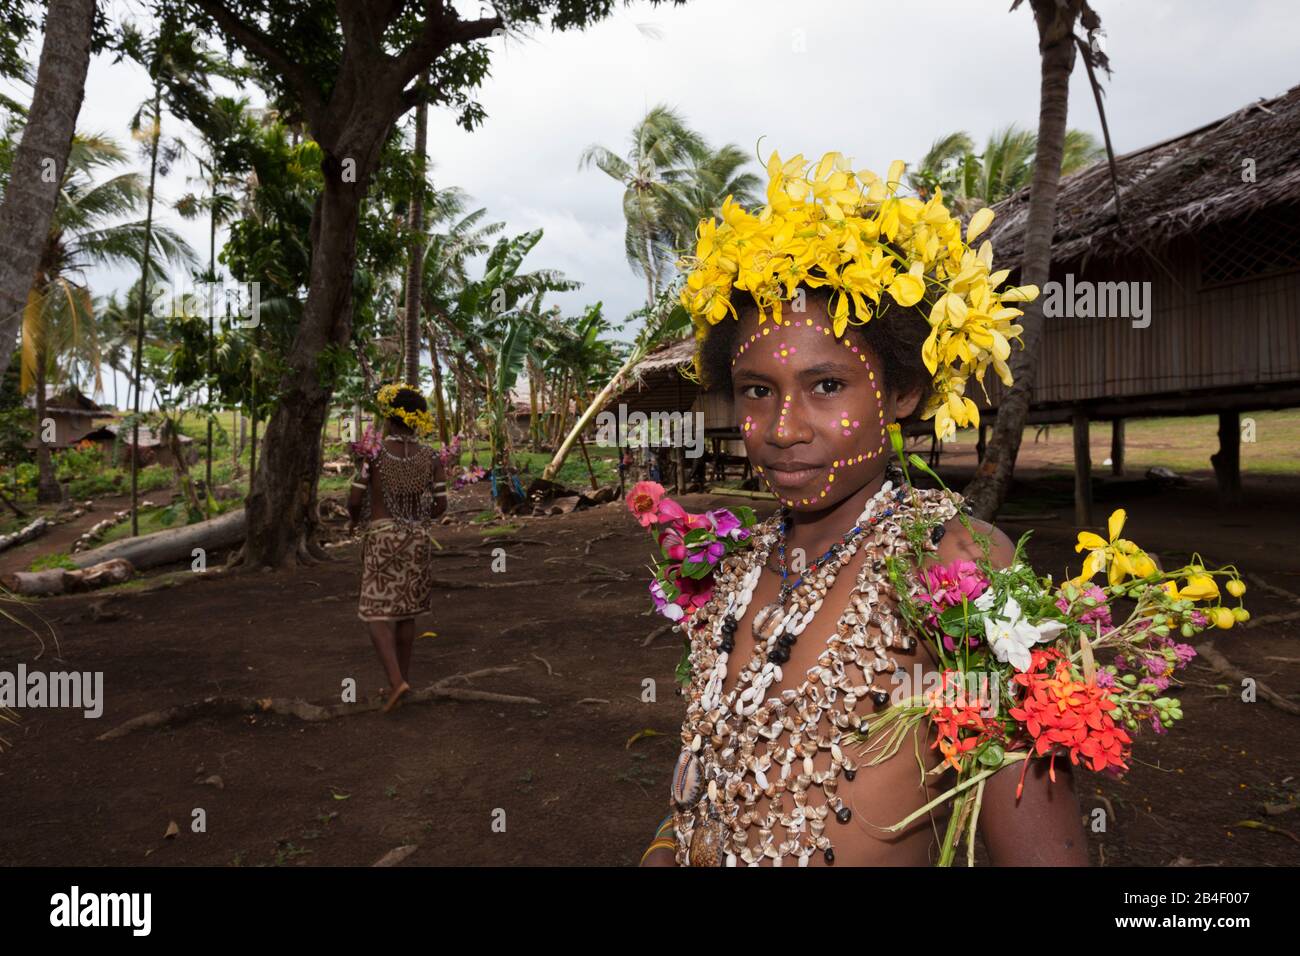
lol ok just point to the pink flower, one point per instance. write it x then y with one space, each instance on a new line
948 585
644 500
670 542
1097 614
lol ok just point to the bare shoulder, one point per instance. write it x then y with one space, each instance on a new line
960 544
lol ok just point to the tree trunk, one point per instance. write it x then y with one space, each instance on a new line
592 410
281 504
1117 448
415 267
47 487
156 134
42 155
440 405
1055 22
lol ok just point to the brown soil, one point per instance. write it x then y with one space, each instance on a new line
561 775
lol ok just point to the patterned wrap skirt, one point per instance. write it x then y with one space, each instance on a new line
396 570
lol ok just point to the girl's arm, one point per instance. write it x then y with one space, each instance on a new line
662 850
1043 827
356 494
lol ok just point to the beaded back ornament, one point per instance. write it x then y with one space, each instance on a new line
825 225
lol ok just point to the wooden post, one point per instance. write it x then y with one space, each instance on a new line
679 466
1117 447
983 443
1227 460
1082 471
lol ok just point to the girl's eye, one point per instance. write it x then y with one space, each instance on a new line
755 391
828 386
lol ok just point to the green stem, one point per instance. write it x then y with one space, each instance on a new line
1007 760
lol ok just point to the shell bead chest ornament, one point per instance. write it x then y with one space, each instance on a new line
743 746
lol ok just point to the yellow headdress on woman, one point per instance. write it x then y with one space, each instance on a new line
419 422
827 225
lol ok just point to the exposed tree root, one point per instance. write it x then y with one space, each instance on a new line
171 717
655 633
463 585
1223 666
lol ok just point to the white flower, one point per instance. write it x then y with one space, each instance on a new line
1011 636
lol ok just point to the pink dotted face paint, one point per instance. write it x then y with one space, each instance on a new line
784 352
748 424
780 422
848 424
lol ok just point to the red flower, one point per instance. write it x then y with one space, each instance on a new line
952 712
1059 711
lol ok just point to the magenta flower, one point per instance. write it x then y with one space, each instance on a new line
712 552
948 585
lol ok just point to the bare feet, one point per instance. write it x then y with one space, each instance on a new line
398 692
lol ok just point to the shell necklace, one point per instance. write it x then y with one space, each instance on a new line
776 620
743 747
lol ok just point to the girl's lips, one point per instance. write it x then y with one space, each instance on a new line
793 477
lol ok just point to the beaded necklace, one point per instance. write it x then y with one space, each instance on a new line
732 752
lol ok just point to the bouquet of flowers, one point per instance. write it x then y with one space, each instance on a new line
471 475
367 450
1029 669
691 546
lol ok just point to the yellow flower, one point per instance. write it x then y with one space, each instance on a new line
1221 617
826 225
1199 587
1121 556
1236 587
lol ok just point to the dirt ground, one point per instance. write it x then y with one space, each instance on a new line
559 782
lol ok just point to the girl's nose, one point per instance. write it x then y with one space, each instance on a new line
791 426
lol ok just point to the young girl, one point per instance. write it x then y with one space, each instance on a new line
405 487
802 315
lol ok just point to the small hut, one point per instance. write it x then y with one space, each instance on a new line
72 414
658 386
1181 299
115 442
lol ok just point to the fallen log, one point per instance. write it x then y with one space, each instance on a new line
172 545
33 530
63 581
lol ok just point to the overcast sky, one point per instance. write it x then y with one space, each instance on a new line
874 80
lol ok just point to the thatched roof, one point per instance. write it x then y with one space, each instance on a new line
1169 189
678 354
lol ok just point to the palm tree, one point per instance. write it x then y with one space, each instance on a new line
444 275
1055 20
660 159
971 180
58 322
32 191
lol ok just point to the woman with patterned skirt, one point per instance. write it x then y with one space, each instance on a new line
403 488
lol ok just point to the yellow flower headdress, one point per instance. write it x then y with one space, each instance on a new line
419 422
827 225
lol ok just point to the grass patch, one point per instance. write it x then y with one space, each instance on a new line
49 562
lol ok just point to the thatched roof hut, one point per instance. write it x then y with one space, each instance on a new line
1202 253
1227 170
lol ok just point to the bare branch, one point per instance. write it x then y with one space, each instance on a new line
257 43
